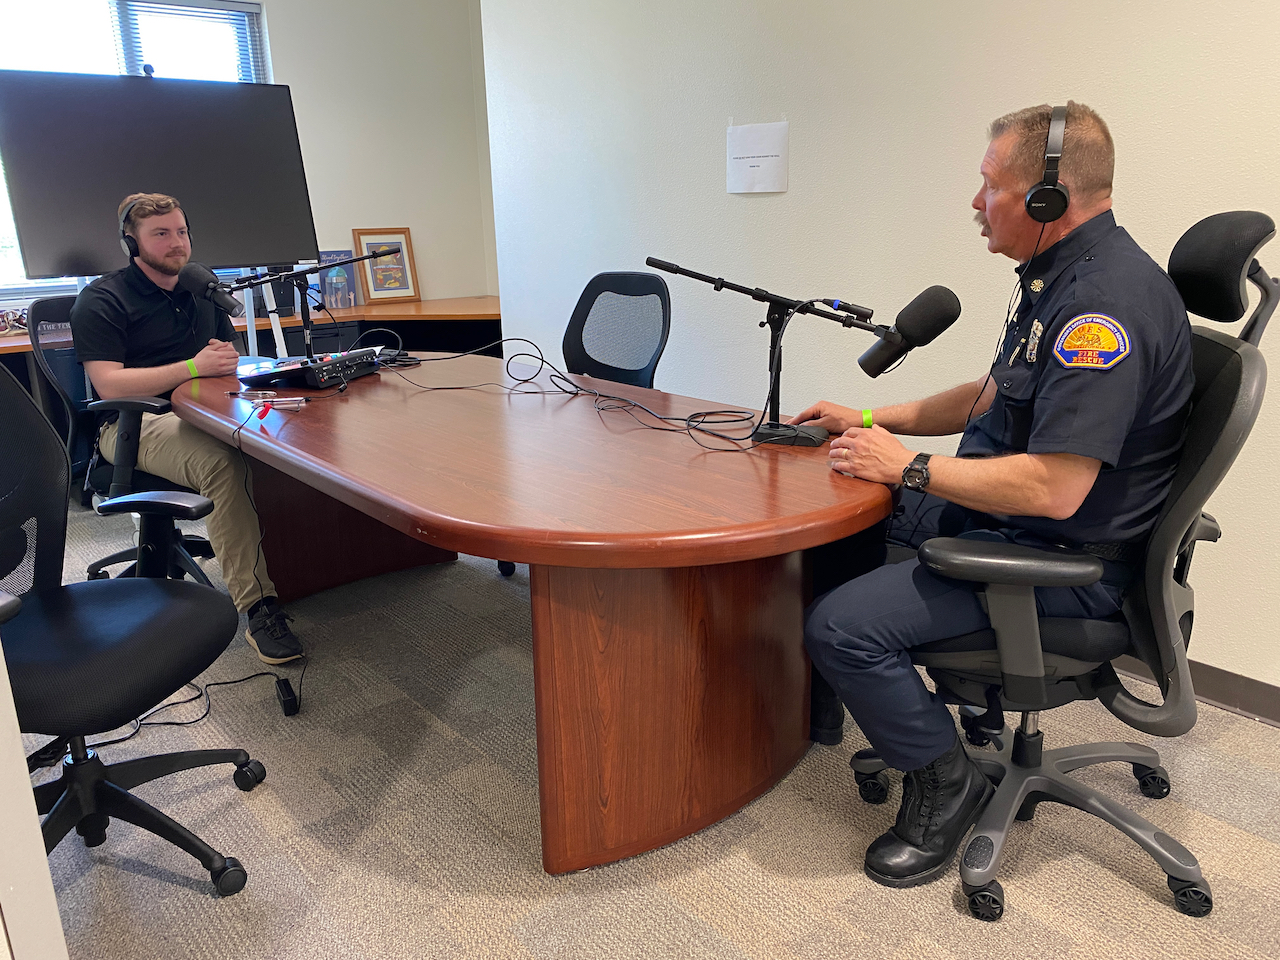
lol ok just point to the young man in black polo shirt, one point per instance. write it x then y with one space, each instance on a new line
137 334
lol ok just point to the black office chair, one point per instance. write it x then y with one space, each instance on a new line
619 328
1029 664
617 332
90 657
48 321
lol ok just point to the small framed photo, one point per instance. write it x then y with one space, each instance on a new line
388 279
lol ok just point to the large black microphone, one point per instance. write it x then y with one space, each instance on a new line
919 322
200 281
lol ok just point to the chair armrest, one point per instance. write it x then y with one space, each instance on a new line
128 435
1204 528
1010 573
160 503
9 606
985 561
140 404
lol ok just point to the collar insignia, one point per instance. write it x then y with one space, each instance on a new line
1037 285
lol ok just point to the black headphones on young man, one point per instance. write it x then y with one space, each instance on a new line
1047 200
127 242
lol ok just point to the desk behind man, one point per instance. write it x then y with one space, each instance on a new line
137 334
1071 437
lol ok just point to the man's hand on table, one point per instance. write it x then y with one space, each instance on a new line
218 359
869 453
830 416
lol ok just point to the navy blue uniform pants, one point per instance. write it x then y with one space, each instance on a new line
860 635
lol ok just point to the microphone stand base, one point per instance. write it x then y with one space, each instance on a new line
789 435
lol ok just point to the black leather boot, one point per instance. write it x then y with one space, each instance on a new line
826 712
939 804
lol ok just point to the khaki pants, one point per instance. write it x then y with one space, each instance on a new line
181 453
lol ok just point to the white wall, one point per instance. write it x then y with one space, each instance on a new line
385 93
606 126
30 927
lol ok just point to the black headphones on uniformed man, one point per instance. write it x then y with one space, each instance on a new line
127 242
1047 200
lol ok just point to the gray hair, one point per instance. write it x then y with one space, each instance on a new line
1088 154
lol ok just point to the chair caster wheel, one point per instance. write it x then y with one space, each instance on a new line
972 732
986 902
97 575
230 878
1192 897
249 775
93 829
506 568
1152 781
872 787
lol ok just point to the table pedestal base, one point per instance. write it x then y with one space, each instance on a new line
666 700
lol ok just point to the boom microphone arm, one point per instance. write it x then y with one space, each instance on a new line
777 309
299 279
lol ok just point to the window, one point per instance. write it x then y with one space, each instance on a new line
181 39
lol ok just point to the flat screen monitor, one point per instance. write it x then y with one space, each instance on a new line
75 145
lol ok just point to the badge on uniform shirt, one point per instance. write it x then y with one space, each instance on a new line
1092 340
1033 341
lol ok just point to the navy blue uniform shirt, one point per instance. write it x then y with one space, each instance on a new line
1097 362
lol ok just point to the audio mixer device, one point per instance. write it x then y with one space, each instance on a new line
326 370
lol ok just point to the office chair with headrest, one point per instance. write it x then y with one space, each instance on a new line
49 323
617 332
90 657
1027 664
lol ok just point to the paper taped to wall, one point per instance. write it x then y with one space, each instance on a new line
756 158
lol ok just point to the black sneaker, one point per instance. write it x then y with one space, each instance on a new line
270 636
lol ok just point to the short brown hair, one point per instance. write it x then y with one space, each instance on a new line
1088 154
145 205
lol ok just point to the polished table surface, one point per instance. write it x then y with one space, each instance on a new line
542 477
666 580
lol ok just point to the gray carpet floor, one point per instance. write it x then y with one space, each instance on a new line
399 818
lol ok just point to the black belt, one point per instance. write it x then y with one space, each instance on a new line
1131 552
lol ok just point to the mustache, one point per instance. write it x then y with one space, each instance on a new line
980 220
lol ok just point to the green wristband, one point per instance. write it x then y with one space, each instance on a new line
866 418
191 365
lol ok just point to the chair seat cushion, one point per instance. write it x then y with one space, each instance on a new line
1095 641
89 657
142 482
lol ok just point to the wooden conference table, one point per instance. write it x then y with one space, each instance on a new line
670 679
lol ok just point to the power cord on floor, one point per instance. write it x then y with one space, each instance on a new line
51 753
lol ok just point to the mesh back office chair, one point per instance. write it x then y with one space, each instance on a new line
619 328
49 323
617 332
1028 664
89 657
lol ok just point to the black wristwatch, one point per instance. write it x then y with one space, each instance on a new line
915 475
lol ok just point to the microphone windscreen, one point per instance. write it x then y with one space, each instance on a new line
195 278
931 312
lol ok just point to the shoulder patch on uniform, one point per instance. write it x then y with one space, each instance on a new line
1092 340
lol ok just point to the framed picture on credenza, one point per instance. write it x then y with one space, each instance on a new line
388 279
